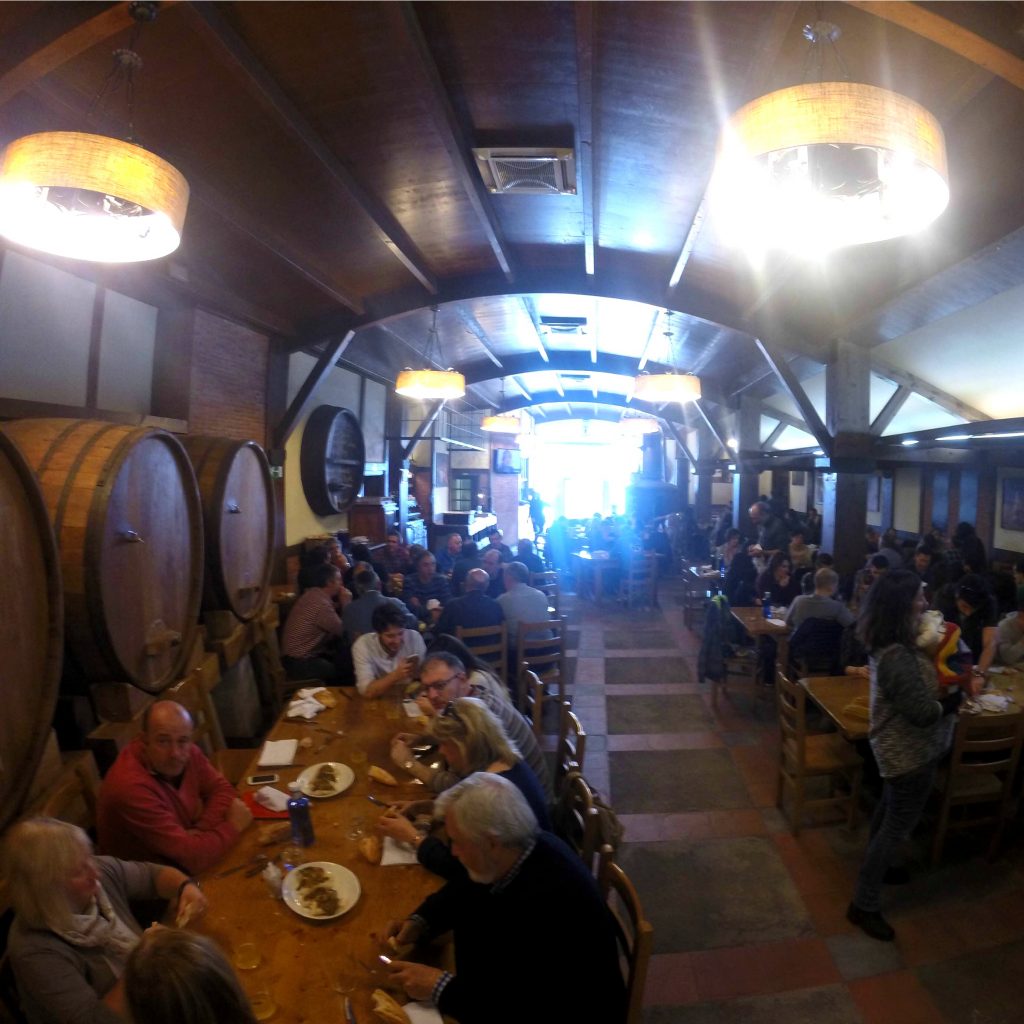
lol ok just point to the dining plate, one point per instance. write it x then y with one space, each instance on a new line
342 773
339 878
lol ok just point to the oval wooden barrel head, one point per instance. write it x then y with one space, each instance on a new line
144 557
332 459
31 628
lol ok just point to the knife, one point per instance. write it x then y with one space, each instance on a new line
350 1015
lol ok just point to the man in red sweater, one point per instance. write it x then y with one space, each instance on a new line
163 801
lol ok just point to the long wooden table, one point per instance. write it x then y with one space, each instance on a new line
590 572
834 693
305 962
754 622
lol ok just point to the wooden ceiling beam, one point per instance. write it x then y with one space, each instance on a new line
941 398
603 398
538 333
451 133
714 426
776 359
55 34
680 441
390 233
421 431
642 362
890 409
483 339
959 40
585 142
333 351
770 440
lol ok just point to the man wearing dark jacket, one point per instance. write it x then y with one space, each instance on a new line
474 609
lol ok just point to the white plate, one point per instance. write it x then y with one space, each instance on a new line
342 772
340 879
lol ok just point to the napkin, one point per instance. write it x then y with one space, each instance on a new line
993 701
412 709
395 853
272 799
278 753
777 622
305 705
422 1013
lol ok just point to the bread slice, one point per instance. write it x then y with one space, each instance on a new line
382 776
370 849
387 1009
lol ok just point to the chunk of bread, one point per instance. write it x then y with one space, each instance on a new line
326 698
370 849
382 776
389 1011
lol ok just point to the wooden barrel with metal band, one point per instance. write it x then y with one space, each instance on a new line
31 628
125 511
238 522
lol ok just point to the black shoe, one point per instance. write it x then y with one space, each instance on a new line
896 876
871 923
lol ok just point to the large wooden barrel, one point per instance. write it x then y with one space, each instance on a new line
31 628
125 510
238 521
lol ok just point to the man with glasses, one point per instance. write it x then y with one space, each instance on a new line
444 679
525 886
163 801
388 657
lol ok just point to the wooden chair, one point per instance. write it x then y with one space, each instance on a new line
207 735
75 795
541 648
803 756
572 745
547 583
638 587
490 644
633 933
575 818
980 773
266 663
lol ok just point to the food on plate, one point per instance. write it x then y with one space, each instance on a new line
371 848
389 1011
326 698
382 776
325 780
308 877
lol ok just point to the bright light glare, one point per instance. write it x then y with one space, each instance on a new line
908 442
28 218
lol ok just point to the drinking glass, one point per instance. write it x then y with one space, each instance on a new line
357 827
247 956
262 1002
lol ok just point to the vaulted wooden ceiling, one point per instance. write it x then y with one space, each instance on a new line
334 195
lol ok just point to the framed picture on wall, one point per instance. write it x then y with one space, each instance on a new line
874 494
798 478
441 468
1012 515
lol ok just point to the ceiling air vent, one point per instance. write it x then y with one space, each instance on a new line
535 172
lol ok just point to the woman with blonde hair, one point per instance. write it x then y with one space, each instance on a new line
178 977
470 739
73 929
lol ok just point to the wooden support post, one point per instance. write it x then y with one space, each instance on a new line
746 480
844 519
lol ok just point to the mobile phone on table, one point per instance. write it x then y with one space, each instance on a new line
262 780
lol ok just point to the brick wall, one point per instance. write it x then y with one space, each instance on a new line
229 380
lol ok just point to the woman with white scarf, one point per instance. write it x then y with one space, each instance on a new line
73 929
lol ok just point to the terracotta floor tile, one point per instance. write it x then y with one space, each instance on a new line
899 996
670 981
723 824
762 969
629 741
828 911
685 741
642 828
928 938
692 825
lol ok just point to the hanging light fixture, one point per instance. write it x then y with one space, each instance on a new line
826 164
659 388
92 197
501 423
436 385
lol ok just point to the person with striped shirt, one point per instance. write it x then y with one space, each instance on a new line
312 630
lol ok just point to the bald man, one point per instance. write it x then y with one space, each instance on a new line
163 801
474 609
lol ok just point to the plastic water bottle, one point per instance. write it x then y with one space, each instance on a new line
298 814
766 607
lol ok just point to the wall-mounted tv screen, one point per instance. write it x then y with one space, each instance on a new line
508 460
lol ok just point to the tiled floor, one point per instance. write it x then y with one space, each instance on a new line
749 924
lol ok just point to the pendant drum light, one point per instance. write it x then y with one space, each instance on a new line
428 384
93 197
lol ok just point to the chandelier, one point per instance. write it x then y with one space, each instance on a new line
436 385
93 197
829 164
501 423
659 388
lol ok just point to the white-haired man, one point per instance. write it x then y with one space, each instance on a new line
523 886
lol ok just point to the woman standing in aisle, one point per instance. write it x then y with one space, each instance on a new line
911 728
